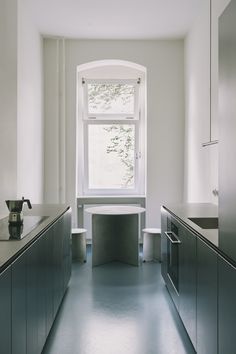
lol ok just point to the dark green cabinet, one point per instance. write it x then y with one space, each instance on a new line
32 289
188 282
18 287
45 281
57 264
48 274
206 299
41 288
206 288
226 306
5 311
66 250
32 298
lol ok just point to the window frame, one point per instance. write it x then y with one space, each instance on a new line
111 116
110 191
82 138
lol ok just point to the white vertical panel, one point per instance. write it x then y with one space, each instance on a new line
8 101
51 121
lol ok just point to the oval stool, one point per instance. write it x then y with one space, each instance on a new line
151 244
79 244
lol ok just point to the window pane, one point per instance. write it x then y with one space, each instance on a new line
111 156
105 98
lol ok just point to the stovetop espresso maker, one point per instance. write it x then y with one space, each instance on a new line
15 207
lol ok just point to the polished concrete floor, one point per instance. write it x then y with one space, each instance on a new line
117 309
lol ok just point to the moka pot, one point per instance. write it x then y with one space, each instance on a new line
15 207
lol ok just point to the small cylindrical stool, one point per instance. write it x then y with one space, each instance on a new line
79 244
151 245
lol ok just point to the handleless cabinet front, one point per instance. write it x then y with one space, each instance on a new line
206 299
19 305
188 282
226 307
32 299
5 311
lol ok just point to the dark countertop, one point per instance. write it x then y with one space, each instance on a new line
10 250
184 211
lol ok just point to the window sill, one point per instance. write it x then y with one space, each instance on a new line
130 196
111 199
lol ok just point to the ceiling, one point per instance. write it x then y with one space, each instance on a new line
110 19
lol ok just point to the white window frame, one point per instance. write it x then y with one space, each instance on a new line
110 191
113 116
137 119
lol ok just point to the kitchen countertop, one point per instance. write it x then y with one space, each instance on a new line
9 250
184 211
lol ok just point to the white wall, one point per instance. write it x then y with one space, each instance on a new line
8 100
164 61
201 164
21 140
29 106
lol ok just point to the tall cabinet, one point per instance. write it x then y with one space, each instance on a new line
227 115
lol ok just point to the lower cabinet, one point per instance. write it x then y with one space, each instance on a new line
33 298
226 307
66 250
206 288
57 257
5 311
188 282
18 293
206 299
48 274
32 289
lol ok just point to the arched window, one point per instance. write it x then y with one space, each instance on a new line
111 129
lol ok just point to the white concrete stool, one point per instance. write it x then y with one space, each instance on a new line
151 245
79 244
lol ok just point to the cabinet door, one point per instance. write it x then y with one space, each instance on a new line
41 289
49 279
5 311
226 306
32 301
187 282
66 249
57 264
206 299
19 305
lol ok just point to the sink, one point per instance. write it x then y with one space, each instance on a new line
206 223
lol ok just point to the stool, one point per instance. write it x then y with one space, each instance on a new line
151 245
79 244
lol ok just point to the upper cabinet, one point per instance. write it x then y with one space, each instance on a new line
216 9
212 9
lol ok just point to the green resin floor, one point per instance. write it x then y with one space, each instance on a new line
117 309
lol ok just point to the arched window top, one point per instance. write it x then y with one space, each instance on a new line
111 62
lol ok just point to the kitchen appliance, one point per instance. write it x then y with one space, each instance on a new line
173 255
15 207
170 248
14 231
